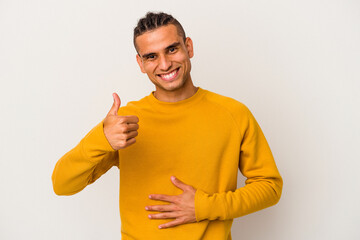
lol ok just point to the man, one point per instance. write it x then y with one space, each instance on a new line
178 149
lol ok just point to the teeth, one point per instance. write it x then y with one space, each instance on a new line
169 76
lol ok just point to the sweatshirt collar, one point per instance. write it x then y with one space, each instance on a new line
169 106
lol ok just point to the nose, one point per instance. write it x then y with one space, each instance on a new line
164 63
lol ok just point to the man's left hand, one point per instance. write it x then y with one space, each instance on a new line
181 207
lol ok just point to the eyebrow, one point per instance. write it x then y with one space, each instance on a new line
175 44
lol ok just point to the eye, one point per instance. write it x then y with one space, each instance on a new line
150 57
173 49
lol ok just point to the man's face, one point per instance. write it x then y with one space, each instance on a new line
165 58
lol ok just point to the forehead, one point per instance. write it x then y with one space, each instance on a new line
158 39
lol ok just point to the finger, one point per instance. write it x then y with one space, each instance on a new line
132 127
174 223
130 142
162 197
165 215
129 119
162 208
178 183
125 128
116 105
131 134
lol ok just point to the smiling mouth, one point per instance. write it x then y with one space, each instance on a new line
169 76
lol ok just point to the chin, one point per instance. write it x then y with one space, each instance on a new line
170 86
174 86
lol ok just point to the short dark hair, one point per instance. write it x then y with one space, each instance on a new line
153 21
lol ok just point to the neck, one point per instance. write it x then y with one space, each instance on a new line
184 92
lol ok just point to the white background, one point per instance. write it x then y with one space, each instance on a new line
295 64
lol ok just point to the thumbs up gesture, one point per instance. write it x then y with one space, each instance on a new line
120 131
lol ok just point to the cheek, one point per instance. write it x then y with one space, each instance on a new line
181 58
149 68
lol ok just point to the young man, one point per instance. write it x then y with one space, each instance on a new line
178 171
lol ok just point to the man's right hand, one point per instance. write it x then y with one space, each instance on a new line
120 131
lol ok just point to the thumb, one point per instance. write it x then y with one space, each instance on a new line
116 105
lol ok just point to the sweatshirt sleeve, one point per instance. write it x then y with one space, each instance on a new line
263 185
86 162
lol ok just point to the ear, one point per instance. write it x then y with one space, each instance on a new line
139 61
189 47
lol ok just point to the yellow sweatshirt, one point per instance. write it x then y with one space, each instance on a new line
201 140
